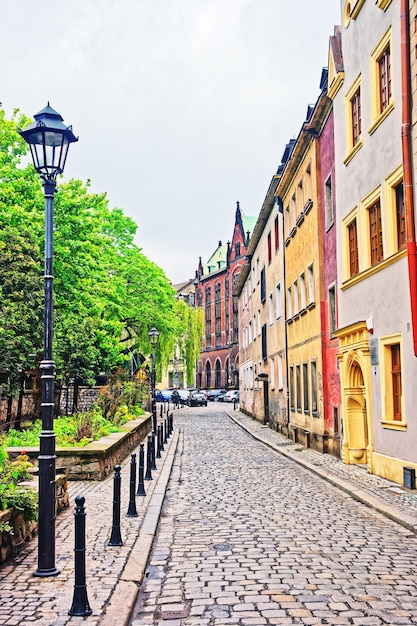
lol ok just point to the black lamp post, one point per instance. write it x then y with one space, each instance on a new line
153 337
49 141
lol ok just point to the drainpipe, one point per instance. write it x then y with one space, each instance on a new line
407 165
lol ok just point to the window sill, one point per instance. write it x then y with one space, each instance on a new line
374 269
381 117
353 151
308 206
300 219
310 306
393 425
382 4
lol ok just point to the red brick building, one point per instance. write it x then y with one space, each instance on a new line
218 366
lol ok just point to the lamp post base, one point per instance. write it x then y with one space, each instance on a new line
44 573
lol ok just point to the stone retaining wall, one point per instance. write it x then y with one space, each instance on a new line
96 460
86 398
92 462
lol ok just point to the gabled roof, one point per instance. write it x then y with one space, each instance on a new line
217 261
336 67
248 222
185 286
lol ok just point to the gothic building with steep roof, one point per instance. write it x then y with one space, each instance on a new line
218 366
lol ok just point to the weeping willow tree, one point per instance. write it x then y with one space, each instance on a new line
190 340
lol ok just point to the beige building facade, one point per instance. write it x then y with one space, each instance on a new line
262 374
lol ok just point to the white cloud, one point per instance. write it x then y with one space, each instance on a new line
182 106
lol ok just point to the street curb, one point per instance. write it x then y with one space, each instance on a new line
126 591
408 521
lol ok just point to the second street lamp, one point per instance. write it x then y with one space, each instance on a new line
153 337
49 140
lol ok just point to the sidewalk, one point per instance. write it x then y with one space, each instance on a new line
391 499
114 574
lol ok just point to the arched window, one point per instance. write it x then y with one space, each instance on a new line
208 375
218 375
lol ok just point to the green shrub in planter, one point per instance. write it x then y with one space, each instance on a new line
12 496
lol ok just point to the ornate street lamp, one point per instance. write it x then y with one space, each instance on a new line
49 140
153 338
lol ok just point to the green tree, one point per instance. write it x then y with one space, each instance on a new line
189 340
21 287
21 297
107 293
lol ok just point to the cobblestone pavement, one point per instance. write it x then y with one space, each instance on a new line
247 536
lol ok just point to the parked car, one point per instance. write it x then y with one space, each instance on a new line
163 395
212 394
196 398
220 396
231 396
180 396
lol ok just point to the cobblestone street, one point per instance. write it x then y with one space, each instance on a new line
248 537
239 526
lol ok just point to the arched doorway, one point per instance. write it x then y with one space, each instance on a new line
208 375
235 373
356 382
217 374
356 438
227 374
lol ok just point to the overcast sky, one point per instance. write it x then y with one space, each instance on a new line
182 107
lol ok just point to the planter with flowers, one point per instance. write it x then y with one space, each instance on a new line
18 504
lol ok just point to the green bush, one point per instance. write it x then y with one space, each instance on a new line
21 499
116 405
13 496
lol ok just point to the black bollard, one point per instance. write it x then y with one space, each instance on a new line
166 430
158 442
131 511
80 605
141 487
116 538
153 455
148 475
161 438
160 412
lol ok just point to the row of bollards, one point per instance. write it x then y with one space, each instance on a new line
155 445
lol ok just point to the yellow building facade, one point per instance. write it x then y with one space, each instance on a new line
297 191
